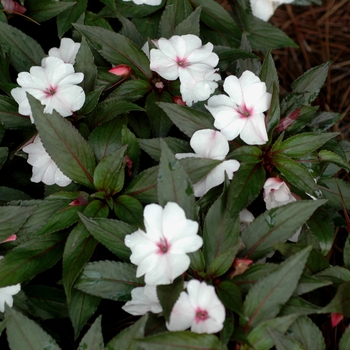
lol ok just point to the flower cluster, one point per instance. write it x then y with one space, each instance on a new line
160 255
55 85
185 57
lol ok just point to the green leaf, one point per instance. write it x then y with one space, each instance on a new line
346 253
341 301
84 62
190 25
174 184
93 339
217 18
117 49
344 343
81 307
79 247
43 10
331 157
230 295
302 144
64 144
109 280
30 258
337 191
275 226
295 173
4 151
110 233
268 73
174 13
126 338
9 115
131 9
245 187
324 121
69 16
169 294
336 275
129 210
132 90
130 31
160 122
23 333
10 194
180 340
246 154
228 55
308 283
265 299
23 51
109 173
299 306
275 112
188 120
144 186
283 342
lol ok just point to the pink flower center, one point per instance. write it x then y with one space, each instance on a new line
201 315
163 246
182 62
50 91
244 111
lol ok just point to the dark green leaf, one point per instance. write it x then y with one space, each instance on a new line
346 253
284 342
344 343
308 283
297 305
93 339
341 301
64 144
228 55
129 210
10 194
335 274
230 295
246 154
268 73
23 333
130 31
131 9
331 157
132 90
324 121
9 115
189 25
43 10
337 191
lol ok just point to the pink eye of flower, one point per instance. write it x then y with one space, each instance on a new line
182 62
244 111
201 315
163 246
51 91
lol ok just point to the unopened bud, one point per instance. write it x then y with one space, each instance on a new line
79 201
10 239
286 122
336 318
128 163
159 85
121 70
241 265
11 6
179 101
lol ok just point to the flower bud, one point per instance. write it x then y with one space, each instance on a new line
336 318
121 70
11 6
80 200
179 101
286 122
9 239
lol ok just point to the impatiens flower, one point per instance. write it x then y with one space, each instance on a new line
241 113
199 309
143 300
146 2
44 168
53 85
185 57
6 294
160 252
210 144
277 193
264 9
67 51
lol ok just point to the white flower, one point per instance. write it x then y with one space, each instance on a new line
264 9
185 57
54 85
210 144
277 193
241 113
144 299
200 309
67 51
160 252
44 168
146 2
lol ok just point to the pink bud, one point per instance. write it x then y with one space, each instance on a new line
11 6
286 122
336 318
242 261
159 85
79 201
128 162
121 70
179 101
10 239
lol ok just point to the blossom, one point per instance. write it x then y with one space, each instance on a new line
44 168
54 85
199 308
160 252
67 51
277 193
210 144
143 300
145 2
11 6
185 57
241 113
264 9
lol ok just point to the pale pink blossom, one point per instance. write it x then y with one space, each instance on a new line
54 85
210 144
67 51
241 113
277 193
145 2
160 252
44 168
11 6
264 9
185 57
6 294
143 300
199 309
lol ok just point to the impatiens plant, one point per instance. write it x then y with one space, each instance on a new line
157 190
